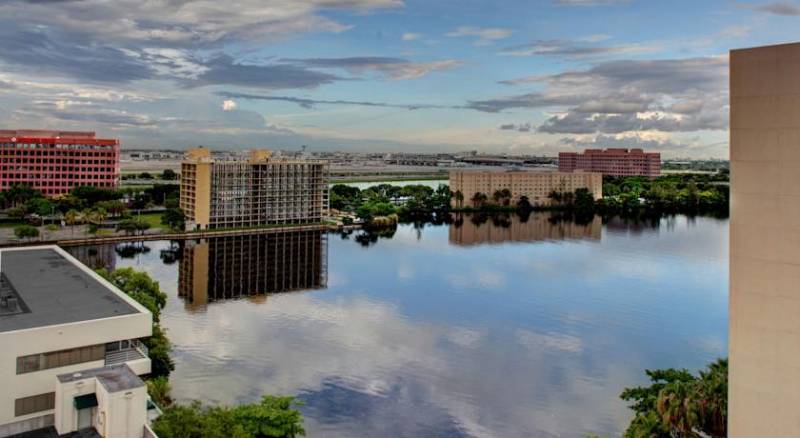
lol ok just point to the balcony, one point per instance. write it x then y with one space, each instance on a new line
133 352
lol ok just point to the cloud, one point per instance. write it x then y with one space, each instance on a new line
72 111
629 95
98 41
665 145
311 103
394 68
483 35
590 2
778 8
228 105
411 36
573 49
522 127
182 23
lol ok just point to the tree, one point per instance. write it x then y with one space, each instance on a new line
72 217
524 204
26 232
132 226
159 390
169 175
272 417
146 291
459 197
114 207
145 175
679 404
478 199
174 218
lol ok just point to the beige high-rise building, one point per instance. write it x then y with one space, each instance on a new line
248 193
764 343
535 185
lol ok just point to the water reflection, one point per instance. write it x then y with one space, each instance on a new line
478 229
418 334
252 266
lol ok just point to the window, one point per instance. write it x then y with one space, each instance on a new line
61 358
34 403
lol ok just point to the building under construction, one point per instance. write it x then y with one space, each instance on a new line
252 265
260 191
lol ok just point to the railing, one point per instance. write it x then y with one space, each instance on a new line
135 352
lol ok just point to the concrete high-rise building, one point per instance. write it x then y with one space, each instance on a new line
70 349
56 161
764 335
535 185
252 265
259 191
612 162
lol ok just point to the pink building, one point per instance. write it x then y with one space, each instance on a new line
56 161
613 162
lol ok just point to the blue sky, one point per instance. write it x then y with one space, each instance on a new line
531 77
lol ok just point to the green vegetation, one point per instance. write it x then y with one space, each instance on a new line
145 290
680 193
174 219
679 404
272 417
26 232
384 201
133 226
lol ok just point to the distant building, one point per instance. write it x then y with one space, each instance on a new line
247 193
612 162
535 185
56 161
252 265
71 351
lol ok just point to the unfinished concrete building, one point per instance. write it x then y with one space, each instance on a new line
250 193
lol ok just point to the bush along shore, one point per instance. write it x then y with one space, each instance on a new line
385 204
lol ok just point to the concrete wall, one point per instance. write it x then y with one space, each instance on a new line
764 392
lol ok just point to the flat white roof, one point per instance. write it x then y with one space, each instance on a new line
49 288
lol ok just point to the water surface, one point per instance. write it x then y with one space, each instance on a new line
483 327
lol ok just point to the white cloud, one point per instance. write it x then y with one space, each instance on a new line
411 36
484 35
228 105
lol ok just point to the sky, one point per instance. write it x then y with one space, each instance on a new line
510 76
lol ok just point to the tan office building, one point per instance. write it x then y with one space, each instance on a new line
764 344
536 185
259 191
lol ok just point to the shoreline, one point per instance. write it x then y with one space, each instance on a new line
180 235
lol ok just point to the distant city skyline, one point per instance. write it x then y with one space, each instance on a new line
533 77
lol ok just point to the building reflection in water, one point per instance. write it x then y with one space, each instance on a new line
476 229
95 256
252 266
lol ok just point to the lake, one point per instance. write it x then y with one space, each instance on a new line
482 327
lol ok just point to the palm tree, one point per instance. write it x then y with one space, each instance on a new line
478 199
497 196
459 198
72 217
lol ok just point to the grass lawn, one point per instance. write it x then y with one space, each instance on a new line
11 224
154 219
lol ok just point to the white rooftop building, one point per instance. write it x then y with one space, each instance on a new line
70 354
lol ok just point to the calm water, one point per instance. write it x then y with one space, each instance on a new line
503 329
